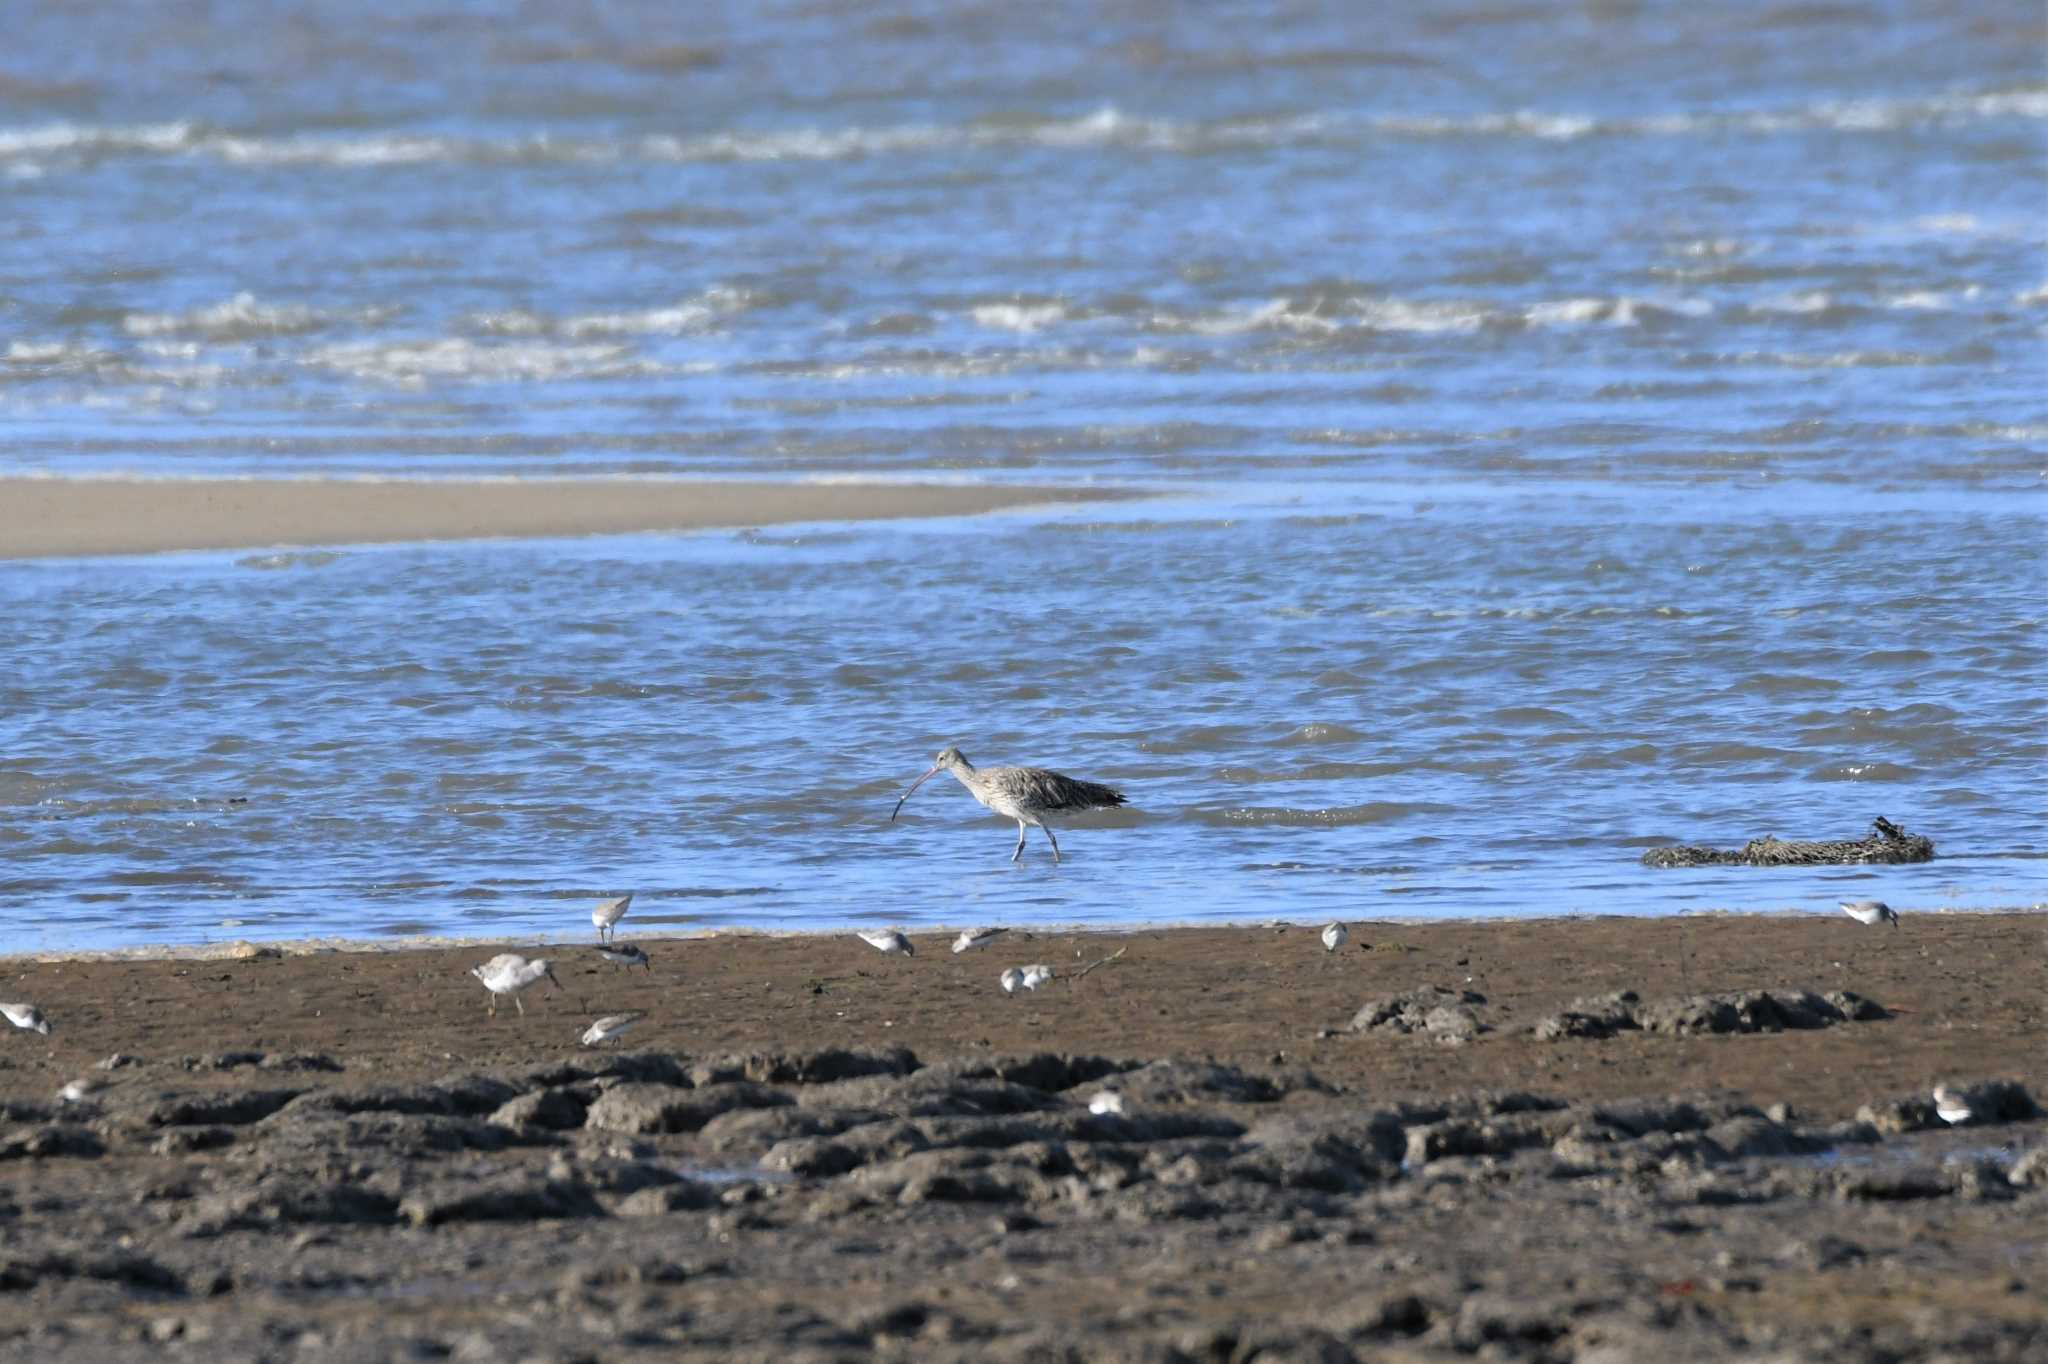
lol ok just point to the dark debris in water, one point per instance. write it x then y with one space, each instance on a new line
1886 843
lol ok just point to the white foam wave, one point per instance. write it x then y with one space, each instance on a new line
413 364
1107 128
1795 305
1424 316
241 316
1018 317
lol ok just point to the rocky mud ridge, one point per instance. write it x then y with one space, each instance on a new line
844 1203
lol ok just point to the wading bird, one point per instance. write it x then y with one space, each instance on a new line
628 955
886 940
971 938
1025 794
1869 911
607 1029
26 1016
606 916
508 973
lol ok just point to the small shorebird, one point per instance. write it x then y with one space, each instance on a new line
1869 911
628 955
1035 976
78 1091
1335 936
611 1026
886 940
1011 979
1951 1106
1106 1101
608 913
26 1016
971 938
1025 794
508 973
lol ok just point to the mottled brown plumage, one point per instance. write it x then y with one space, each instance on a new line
1025 794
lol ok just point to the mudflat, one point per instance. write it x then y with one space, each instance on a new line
1596 1139
53 517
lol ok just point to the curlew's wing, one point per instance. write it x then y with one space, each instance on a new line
1045 790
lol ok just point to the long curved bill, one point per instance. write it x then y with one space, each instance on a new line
912 791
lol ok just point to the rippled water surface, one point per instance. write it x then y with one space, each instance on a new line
1569 428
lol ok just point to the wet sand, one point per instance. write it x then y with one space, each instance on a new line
810 1150
47 517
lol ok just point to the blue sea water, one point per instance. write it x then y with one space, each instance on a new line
1565 429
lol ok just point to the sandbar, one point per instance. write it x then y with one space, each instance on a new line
67 517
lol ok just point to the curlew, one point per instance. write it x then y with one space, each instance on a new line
1025 794
1869 911
606 916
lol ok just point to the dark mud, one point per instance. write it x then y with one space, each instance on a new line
435 1186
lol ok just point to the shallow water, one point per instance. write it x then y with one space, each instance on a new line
1573 429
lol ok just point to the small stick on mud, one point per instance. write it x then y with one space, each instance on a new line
1104 962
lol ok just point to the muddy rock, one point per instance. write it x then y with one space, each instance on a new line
231 1108
2030 1171
1473 1137
1745 1011
506 1198
60 1139
636 1107
1597 1016
557 1109
1413 1011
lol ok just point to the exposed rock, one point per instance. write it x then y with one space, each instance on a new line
555 1109
929 1093
1893 1185
232 1108
635 1107
654 1068
684 1195
1893 1116
57 1140
759 1129
1596 1016
400 1134
1443 1013
179 1140
1992 1101
18 1272
1756 1135
2030 1171
824 1067
510 1198
283 1199
1042 1071
1743 1011
1472 1137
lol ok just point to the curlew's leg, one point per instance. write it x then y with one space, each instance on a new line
1020 842
1054 841
522 1005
